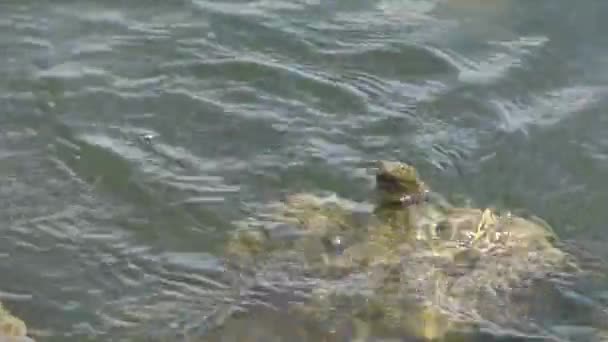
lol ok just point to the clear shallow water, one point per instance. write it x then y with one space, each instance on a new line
134 136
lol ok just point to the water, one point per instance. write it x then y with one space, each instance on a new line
134 135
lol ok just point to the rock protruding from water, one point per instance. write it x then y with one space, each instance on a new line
12 329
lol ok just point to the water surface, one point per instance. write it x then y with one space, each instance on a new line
134 135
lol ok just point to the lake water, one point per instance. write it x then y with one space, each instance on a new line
133 135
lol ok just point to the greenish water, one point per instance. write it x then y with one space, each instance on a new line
133 135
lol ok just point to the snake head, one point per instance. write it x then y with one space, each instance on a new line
396 181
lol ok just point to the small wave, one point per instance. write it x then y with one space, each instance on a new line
232 8
495 65
124 83
408 9
283 80
331 153
446 145
94 15
395 62
36 42
72 70
547 109
98 280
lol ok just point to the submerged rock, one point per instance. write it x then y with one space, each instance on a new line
12 329
411 264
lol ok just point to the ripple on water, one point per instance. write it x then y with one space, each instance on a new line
547 109
75 72
394 62
331 153
99 281
95 15
404 9
154 183
491 66
280 80
134 84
